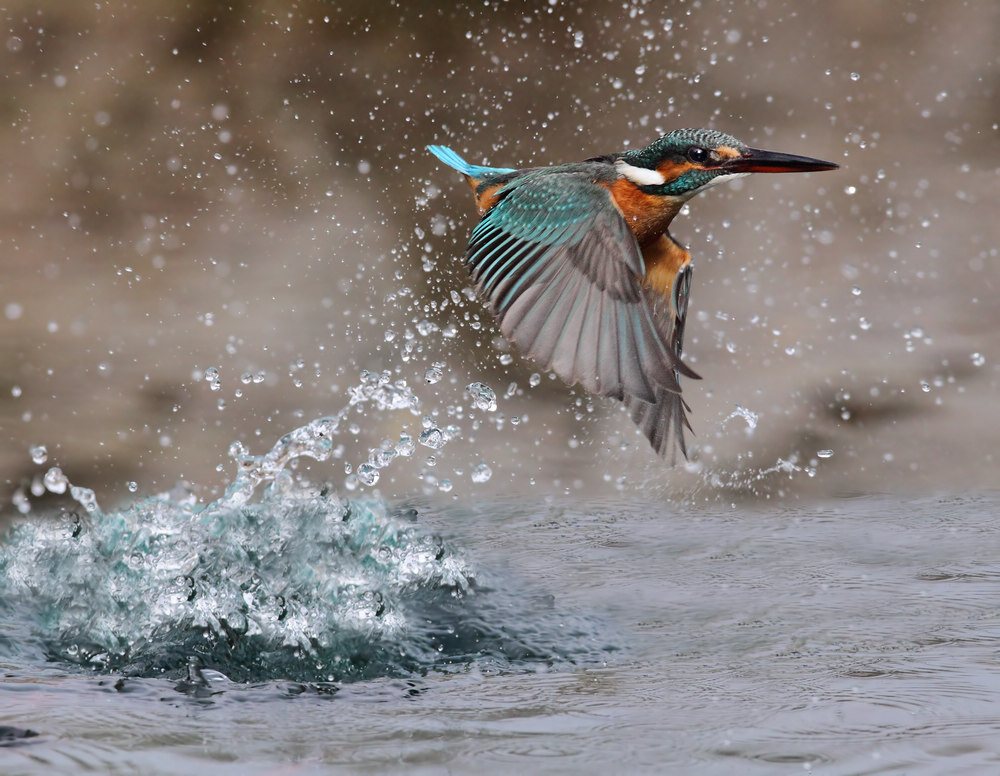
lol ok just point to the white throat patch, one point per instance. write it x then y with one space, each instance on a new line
723 179
640 176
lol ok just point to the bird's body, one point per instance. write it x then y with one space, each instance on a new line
577 264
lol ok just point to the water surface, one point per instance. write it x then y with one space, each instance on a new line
851 636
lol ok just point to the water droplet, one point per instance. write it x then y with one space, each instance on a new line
856 290
55 480
483 397
864 323
824 453
132 486
978 359
86 498
39 454
367 474
445 486
535 379
925 386
425 327
382 456
212 378
435 373
432 437
405 446
20 501
481 473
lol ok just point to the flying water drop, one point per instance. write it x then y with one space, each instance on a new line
481 473
435 373
483 397
367 474
432 437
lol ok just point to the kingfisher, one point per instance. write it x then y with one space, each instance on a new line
577 264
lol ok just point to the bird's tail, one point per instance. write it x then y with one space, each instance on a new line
476 171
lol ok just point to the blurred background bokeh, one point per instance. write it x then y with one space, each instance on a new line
244 187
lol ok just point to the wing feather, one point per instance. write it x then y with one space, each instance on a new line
590 330
663 421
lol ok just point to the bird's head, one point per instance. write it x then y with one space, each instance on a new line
683 162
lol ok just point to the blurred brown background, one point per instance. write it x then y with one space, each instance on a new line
244 186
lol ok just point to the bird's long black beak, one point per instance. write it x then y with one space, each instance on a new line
755 160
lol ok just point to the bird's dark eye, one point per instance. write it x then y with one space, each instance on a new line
697 154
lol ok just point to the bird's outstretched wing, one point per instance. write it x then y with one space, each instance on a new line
669 411
562 273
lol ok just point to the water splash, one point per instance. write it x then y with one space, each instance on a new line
277 578
301 584
751 418
316 440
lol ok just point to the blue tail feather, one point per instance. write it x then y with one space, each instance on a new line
452 159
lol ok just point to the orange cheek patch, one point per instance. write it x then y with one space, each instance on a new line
728 152
673 170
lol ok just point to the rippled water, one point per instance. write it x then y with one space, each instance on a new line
852 636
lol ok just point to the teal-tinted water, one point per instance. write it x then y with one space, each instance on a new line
852 636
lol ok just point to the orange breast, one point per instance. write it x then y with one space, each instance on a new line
647 215
664 259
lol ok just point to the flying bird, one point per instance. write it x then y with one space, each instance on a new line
577 264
